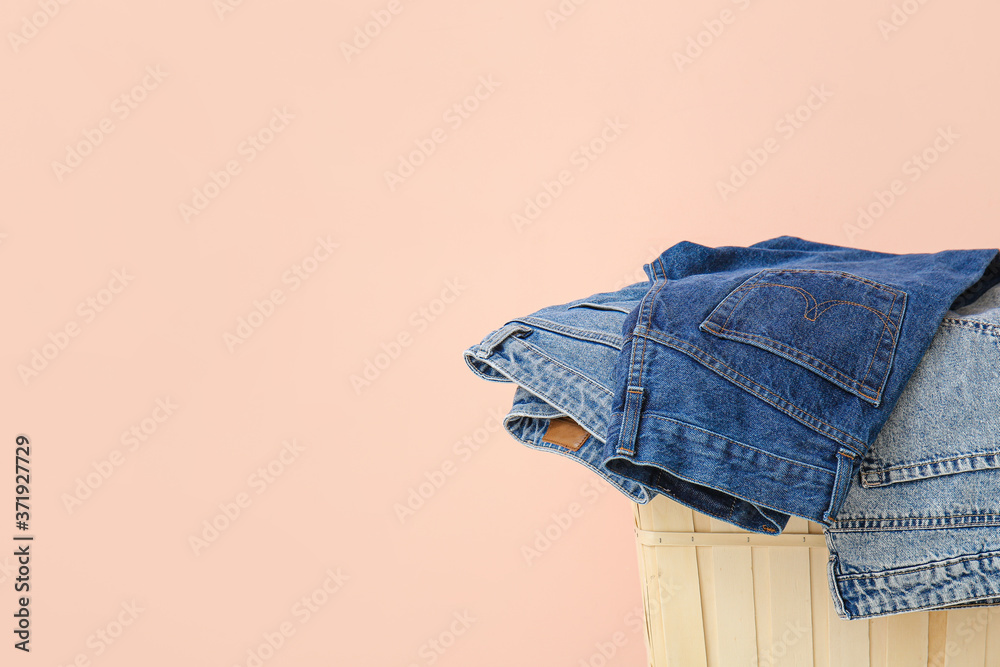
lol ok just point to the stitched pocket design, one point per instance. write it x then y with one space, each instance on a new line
841 326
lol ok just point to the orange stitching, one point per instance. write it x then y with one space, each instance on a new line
877 345
849 276
737 305
820 365
642 360
809 307
680 345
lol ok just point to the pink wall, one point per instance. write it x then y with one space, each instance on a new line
152 111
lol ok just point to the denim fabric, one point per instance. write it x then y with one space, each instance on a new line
561 357
920 526
932 468
752 381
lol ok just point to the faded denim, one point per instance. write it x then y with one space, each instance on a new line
561 358
920 526
931 470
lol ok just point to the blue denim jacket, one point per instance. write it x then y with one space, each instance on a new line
752 380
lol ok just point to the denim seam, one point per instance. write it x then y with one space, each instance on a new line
882 316
848 440
582 377
753 282
879 344
469 357
597 306
485 377
699 509
903 571
573 332
737 442
850 276
702 510
745 497
493 340
627 423
832 572
841 481
960 603
986 328
920 464
820 365
887 524
534 411
541 392
804 356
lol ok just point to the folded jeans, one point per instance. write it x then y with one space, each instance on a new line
575 366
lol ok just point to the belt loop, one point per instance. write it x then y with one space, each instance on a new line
494 339
630 420
845 470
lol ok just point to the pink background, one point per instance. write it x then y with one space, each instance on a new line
146 105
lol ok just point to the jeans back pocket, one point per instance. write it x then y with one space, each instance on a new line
839 325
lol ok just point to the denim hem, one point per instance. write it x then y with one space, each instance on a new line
963 581
719 476
873 475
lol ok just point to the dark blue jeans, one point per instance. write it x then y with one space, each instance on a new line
750 384
751 381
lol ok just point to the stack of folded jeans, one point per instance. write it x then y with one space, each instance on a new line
857 389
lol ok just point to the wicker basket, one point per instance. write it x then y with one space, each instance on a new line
718 596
